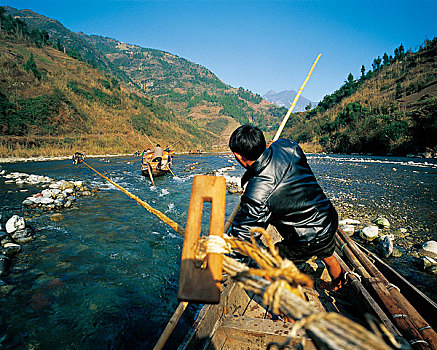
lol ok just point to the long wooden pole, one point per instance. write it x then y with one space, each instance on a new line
237 207
150 140
284 121
278 133
171 325
149 169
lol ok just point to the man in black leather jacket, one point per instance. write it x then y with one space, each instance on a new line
282 190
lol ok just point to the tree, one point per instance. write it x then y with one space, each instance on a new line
30 65
376 65
385 59
308 107
363 71
2 16
401 52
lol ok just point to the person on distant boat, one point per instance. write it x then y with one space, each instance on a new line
145 155
78 157
282 190
158 152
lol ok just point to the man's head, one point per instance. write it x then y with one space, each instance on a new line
247 142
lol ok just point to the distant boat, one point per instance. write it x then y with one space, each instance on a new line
197 151
150 168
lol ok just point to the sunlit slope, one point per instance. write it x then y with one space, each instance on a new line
52 104
391 109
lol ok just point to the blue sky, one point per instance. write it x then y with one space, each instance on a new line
260 45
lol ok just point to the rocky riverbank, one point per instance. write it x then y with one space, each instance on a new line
57 195
390 238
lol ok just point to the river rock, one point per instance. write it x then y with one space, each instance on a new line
27 202
67 185
385 245
57 217
47 193
59 202
348 229
382 222
429 265
46 200
22 236
15 223
4 263
11 249
429 249
396 253
349 222
369 233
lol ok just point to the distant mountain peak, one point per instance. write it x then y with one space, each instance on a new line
285 98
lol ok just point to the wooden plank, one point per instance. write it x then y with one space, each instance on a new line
196 283
238 332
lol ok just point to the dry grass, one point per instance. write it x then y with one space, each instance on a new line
109 129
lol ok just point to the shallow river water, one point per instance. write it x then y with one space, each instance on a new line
106 276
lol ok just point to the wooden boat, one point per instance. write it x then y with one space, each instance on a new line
240 321
198 151
152 168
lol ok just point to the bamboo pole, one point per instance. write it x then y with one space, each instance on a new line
365 296
284 121
149 140
150 173
414 328
171 325
278 133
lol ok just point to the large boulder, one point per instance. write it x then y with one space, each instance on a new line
11 249
349 222
22 236
430 265
369 233
429 249
385 245
15 223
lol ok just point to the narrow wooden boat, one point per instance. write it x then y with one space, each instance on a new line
240 321
152 168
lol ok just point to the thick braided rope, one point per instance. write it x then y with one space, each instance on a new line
174 225
281 291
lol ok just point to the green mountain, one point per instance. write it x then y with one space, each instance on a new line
187 89
53 104
391 109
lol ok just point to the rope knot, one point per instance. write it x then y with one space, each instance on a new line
272 294
212 244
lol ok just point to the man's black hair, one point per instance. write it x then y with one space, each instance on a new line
248 140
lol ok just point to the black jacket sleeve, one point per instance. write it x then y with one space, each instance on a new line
251 214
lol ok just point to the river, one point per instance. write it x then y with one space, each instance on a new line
106 276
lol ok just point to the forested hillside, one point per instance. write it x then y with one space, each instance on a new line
187 89
53 104
390 109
